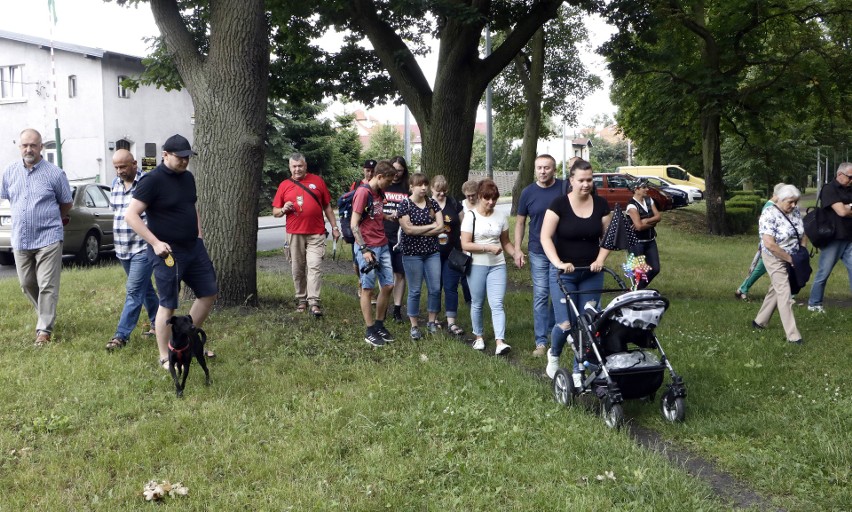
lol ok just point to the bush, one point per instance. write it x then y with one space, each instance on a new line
740 219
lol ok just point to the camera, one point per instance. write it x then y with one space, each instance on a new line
370 266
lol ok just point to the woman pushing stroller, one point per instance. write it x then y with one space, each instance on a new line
570 236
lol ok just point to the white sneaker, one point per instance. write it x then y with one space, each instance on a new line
479 344
502 349
816 309
552 365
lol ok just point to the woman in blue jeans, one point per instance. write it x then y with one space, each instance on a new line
485 234
570 236
421 221
447 241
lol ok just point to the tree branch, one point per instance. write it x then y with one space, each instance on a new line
396 57
541 12
178 39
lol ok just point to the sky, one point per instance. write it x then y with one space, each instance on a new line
119 29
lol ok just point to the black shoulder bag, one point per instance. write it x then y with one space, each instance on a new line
461 261
819 224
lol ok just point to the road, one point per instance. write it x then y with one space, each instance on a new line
270 236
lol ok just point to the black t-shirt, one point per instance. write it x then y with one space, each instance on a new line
577 240
395 194
170 198
452 225
832 193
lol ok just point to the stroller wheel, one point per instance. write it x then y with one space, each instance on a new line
672 408
563 388
613 414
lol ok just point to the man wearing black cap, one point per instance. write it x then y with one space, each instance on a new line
175 248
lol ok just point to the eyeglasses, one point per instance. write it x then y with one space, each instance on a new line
848 176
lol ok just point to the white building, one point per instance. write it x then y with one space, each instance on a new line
96 114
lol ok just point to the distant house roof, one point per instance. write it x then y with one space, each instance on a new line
95 53
582 142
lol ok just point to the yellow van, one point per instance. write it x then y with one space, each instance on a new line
674 173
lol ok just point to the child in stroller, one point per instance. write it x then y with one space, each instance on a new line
601 341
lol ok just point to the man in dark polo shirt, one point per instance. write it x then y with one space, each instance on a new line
175 248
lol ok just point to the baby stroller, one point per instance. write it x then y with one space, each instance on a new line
611 369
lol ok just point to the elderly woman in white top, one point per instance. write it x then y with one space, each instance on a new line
780 231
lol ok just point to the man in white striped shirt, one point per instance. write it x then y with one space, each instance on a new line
40 198
130 250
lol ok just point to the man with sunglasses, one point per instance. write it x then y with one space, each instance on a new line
173 232
837 198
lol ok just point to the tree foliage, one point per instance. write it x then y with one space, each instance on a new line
445 113
729 69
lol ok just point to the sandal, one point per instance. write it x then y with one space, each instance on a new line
316 311
164 363
150 332
740 295
209 354
455 330
302 307
115 343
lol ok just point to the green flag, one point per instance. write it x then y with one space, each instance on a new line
51 5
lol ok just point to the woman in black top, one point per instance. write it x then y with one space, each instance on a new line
645 216
570 236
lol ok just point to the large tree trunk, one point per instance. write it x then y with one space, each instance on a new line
228 88
533 87
712 158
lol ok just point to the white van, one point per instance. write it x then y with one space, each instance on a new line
673 173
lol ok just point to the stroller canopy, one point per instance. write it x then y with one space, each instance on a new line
641 309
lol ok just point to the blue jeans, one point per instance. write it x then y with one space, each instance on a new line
586 282
491 281
140 292
450 279
416 268
828 257
542 308
384 274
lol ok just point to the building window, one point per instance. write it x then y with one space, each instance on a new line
123 92
11 82
50 152
72 86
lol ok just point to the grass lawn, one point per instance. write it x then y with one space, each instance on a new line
303 415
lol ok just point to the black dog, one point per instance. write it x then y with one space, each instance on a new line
187 341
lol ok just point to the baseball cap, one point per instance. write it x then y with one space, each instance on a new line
369 164
178 145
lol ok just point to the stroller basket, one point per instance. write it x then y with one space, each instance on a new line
637 383
638 373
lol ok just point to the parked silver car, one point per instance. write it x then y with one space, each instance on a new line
88 230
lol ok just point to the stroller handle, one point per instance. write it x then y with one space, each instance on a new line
607 270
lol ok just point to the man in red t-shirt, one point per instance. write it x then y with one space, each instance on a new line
371 247
304 198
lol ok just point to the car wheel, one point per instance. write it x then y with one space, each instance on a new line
90 251
7 258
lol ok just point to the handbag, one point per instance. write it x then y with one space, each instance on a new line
819 224
800 270
459 260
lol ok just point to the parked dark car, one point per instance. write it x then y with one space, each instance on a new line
614 188
88 229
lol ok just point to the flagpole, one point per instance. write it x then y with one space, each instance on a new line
51 12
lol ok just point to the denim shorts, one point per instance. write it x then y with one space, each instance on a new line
384 272
192 266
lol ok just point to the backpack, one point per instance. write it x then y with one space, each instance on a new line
344 212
